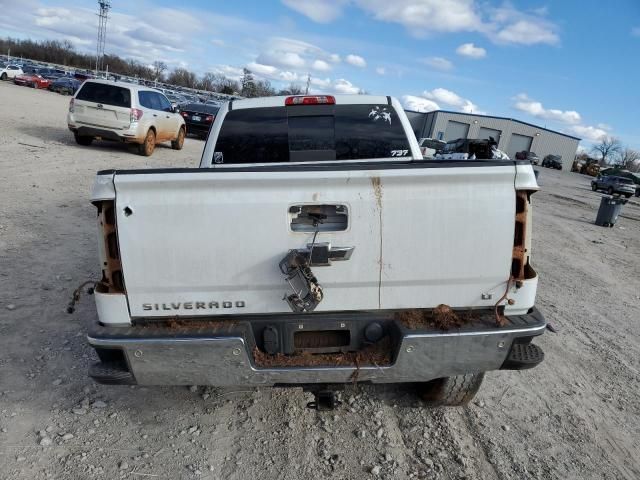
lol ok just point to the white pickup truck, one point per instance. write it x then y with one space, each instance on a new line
315 246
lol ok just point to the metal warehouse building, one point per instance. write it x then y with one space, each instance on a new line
512 135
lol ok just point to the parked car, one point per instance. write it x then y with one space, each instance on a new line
33 80
176 100
194 262
65 85
198 117
613 184
552 161
10 71
429 146
107 110
530 156
49 73
620 172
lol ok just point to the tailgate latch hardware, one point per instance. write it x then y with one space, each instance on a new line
322 254
307 292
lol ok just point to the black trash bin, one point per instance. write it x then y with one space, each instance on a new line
610 208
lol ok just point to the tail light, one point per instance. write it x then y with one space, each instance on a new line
71 105
136 114
184 114
310 100
210 118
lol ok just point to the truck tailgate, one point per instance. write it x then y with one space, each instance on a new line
208 242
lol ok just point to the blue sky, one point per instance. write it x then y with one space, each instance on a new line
570 65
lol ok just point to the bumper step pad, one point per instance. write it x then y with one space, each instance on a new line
523 356
111 373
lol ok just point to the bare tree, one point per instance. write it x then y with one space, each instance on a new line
182 77
263 88
608 148
629 159
159 68
292 89
208 81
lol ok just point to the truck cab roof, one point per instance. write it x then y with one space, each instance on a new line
279 101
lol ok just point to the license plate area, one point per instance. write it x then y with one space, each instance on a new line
196 118
316 334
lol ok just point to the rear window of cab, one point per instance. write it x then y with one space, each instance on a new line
105 94
310 133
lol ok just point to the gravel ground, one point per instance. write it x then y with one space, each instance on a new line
577 416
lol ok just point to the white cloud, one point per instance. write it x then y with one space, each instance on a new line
345 86
229 71
448 97
321 65
326 85
471 51
281 59
418 104
424 17
536 109
128 35
261 69
380 71
287 76
635 31
322 83
421 17
438 63
295 54
356 61
218 42
321 11
526 32
593 134
569 117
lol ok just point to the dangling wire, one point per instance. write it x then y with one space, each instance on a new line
313 242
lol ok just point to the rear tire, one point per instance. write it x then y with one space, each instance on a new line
4 76
83 140
178 143
594 187
610 191
451 391
149 145
627 195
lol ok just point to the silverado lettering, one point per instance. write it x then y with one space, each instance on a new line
192 305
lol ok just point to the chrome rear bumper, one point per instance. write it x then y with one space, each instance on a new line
156 356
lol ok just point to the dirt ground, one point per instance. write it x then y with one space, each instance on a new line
576 416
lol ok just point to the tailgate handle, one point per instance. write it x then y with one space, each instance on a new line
321 218
322 254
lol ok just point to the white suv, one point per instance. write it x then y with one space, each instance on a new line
108 110
10 71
